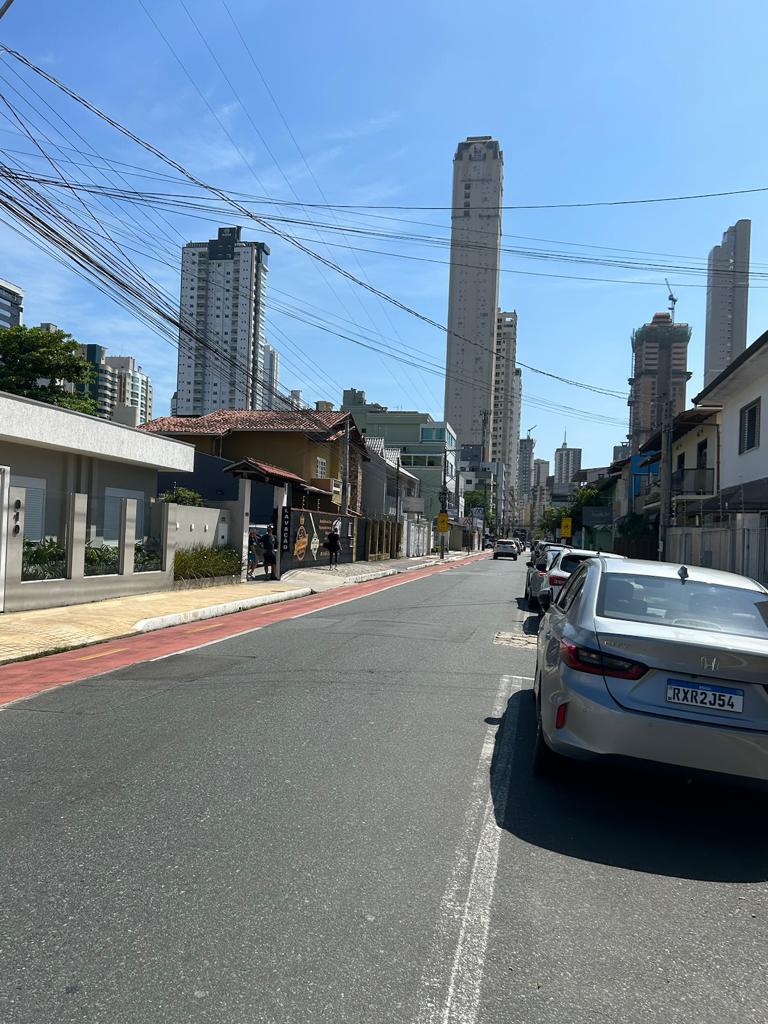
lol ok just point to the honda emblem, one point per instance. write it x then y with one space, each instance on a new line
709 664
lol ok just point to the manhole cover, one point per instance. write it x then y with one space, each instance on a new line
515 639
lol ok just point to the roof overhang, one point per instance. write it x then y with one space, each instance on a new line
25 421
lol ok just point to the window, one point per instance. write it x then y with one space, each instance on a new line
322 469
701 454
571 590
749 427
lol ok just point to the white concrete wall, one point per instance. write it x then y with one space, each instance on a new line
752 465
40 425
189 525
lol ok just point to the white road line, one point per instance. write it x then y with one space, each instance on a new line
463 924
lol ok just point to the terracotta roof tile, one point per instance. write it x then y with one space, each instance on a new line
223 421
266 468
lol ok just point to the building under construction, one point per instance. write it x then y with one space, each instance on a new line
659 375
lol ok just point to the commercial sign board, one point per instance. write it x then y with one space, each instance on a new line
442 522
597 515
566 527
411 504
304 533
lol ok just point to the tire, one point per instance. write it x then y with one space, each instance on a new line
533 603
495 557
546 764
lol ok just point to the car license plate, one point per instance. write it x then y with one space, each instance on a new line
705 695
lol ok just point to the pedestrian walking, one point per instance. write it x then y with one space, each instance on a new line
267 541
252 542
333 543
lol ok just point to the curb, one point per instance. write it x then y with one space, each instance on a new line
213 611
382 573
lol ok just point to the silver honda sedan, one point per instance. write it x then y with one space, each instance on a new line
658 662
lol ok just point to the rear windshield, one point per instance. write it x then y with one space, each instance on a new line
669 602
570 563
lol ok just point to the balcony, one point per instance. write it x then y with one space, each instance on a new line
694 482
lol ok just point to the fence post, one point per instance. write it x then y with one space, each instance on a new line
77 519
127 536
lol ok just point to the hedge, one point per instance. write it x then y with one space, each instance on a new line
200 562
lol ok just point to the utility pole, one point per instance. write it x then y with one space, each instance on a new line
397 507
444 499
345 473
485 457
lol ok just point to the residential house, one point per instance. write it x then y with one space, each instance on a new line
427 447
78 509
392 506
730 528
299 452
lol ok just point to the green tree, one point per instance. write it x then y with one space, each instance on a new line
182 496
31 354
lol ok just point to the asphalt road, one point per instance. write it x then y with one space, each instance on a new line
333 820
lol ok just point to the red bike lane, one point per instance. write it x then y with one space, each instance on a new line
24 679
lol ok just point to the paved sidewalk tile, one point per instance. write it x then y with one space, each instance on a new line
27 634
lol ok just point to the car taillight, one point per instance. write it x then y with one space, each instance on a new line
560 716
583 659
557 581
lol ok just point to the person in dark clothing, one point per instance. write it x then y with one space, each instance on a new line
267 541
333 544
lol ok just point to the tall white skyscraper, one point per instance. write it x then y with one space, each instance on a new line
567 463
473 287
221 345
727 294
272 378
507 395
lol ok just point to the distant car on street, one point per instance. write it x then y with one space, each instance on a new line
505 549
657 662
538 570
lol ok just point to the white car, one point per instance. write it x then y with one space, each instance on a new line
505 549
567 561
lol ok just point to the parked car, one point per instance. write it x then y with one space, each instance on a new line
538 570
505 549
658 662
566 562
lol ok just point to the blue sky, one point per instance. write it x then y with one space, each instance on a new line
591 101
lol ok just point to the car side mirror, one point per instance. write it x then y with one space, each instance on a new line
529 564
545 600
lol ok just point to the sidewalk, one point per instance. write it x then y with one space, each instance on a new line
44 631
322 578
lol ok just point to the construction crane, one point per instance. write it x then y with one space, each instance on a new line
671 298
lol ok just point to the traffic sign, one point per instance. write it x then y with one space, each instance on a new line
442 522
566 527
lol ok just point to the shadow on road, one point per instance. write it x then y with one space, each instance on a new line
653 821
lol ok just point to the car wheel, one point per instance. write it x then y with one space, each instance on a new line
495 557
546 763
533 603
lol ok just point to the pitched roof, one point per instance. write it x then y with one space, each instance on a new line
375 444
224 421
256 467
738 362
